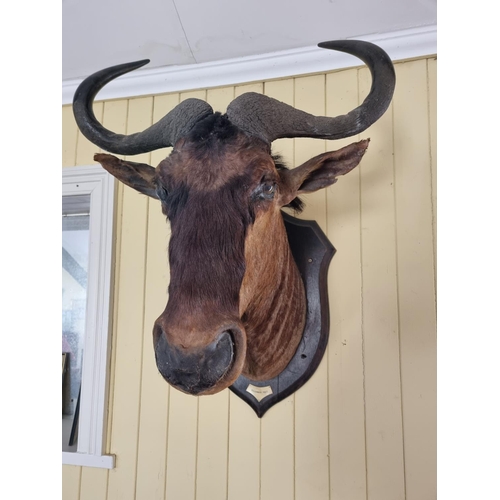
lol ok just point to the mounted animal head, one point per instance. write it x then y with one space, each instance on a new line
236 299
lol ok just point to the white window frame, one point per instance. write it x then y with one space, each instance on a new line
100 185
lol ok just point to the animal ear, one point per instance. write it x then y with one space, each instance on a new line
321 171
138 176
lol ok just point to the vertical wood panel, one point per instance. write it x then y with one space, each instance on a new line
129 327
278 451
115 118
212 458
346 391
384 439
311 401
220 98
152 448
278 439
71 482
432 85
182 445
310 96
250 87
69 137
94 484
194 94
416 278
244 451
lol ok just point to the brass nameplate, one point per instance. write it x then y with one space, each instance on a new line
259 393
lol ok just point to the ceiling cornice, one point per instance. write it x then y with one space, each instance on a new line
405 44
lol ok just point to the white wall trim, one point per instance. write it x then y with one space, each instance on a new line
94 180
404 44
85 460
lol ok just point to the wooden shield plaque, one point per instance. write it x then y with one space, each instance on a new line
312 252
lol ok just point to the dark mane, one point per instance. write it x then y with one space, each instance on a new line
213 128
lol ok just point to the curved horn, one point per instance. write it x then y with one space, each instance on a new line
163 133
270 119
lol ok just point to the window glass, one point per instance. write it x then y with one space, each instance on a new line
75 258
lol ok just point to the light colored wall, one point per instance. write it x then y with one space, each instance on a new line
364 426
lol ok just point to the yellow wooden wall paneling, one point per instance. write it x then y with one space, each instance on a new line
182 443
244 451
219 98
212 457
129 327
69 137
277 426
94 484
432 85
346 390
152 447
194 94
244 426
71 479
384 438
311 401
115 118
364 425
416 278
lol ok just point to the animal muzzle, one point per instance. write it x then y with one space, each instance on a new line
201 369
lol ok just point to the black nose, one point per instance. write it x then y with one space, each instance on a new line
194 371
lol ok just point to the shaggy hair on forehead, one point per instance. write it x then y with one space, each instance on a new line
215 127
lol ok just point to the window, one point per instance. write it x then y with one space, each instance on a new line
87 224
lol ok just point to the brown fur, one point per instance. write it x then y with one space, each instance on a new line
231 266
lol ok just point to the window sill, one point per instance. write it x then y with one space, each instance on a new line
83 459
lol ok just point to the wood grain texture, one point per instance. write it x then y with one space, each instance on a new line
416 279
346 385
71 477
129 327
432 87
311 428
384 435
69 137
363 427
154 404
244 451
94 484
115 118
182 446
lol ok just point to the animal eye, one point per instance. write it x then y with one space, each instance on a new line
268 189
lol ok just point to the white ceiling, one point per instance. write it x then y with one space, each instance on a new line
100 33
